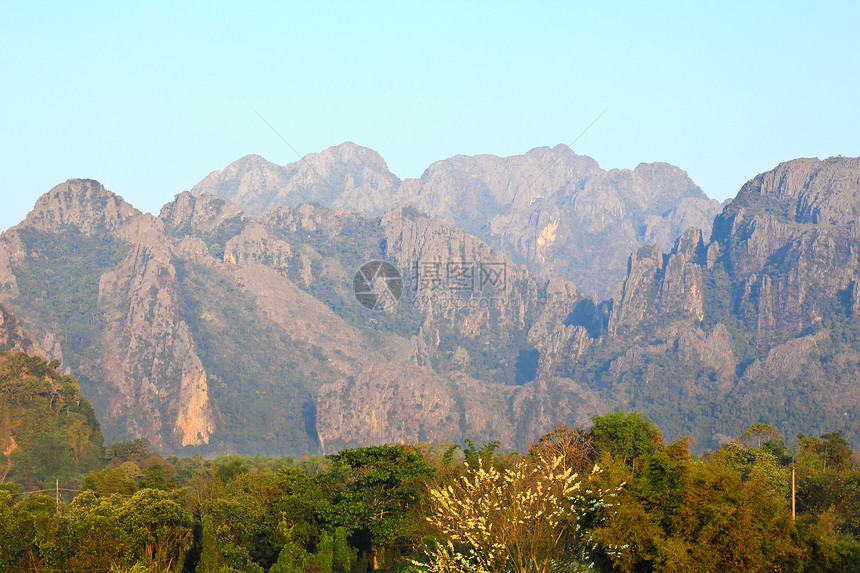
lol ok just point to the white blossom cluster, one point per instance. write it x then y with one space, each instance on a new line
527 519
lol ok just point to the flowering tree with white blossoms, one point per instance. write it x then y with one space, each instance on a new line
532 518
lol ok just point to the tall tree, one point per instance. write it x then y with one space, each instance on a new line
384 485
626 435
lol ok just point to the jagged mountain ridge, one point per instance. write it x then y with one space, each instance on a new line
552 210
222 332
209 331
759 323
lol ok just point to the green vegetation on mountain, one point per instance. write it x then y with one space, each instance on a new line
59 285
336 249
13 336
217 332
759 322
47 429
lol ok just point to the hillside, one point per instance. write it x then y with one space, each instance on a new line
47 428
13 336
206 330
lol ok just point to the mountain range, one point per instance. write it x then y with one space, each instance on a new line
553 211
229 321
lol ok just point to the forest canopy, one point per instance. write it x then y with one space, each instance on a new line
613 497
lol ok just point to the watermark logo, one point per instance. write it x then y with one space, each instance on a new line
458 284
377 285
459 276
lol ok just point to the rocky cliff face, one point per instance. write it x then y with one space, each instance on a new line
759 323
583 224
81 205
13 336
551 210
105 302
208 330
158 386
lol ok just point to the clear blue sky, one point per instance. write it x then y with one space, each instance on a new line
150 97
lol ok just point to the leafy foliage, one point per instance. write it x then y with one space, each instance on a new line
647 506
626 436
46 427
383 486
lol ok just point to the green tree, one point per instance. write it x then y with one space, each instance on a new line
246 534
98 539
627 436
384 487
108 481
485 454
574 445
210 550
154 477
128 451
49 430
683 515
829 452
759 434
155 528
837 452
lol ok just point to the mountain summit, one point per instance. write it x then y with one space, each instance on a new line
346 175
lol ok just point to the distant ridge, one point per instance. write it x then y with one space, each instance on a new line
550 209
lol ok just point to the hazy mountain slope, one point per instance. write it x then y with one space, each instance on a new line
552 210
347 175
205 330
96 280
559 213
208 330
760 323
13 336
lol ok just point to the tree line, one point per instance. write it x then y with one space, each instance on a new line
612 497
